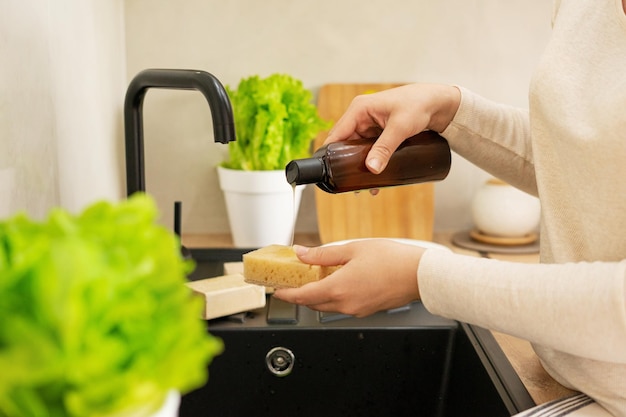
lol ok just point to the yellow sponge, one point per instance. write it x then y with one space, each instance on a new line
278 266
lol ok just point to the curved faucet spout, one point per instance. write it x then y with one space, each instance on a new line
177 79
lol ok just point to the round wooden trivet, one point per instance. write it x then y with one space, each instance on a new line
464 240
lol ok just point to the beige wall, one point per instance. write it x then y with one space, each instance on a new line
66 64
490 46
61 79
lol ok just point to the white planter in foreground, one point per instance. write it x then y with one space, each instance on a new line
169 408
261 207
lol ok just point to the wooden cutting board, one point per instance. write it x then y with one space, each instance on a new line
400 212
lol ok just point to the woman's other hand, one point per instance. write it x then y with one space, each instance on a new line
376 274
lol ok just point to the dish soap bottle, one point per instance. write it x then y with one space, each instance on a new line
340 166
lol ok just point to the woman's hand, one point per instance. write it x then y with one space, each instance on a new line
377 274
396 114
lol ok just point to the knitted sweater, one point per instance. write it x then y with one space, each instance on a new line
569 149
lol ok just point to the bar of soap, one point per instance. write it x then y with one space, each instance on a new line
231 268
228 294
278 266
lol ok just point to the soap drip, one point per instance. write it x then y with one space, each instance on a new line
293 225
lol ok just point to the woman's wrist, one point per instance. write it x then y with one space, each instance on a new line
448 102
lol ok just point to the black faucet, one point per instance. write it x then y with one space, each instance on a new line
177 79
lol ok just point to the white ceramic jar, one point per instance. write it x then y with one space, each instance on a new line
501 210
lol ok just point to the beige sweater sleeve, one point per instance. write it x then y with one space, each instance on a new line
487 133
576 308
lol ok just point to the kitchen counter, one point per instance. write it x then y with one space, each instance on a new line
540 385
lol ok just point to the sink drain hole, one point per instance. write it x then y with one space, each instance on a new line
279 361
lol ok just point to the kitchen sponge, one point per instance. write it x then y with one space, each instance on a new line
278 266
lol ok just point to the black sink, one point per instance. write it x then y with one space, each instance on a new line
284 361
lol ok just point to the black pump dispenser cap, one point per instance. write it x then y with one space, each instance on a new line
305 171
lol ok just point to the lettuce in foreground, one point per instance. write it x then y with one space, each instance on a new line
95 318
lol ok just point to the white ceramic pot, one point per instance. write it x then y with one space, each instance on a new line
501 210
169 408
261 206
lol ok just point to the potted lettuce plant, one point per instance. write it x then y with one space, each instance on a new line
275 122
96 319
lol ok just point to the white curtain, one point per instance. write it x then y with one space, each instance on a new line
62 83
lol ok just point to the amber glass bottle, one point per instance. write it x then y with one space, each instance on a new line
340 166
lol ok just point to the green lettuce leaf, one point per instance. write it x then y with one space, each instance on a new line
95 316
275 121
